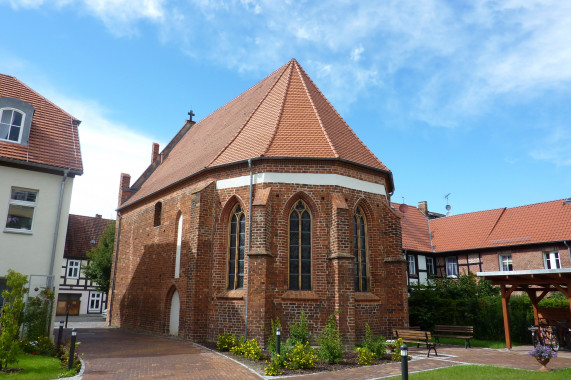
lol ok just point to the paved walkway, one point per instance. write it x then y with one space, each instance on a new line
111 353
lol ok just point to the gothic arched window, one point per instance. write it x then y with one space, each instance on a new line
360 250
300 247
236 248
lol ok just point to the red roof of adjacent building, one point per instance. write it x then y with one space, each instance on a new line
414 227
54 139
83 234
284 115
537 223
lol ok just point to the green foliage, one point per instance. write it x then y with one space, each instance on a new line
468 301
226 341
272 335
249 349
299 331
364 356
274 366
42 346
396 350
38 315
11 317
101 257
301 356
376 345
330 342
556 299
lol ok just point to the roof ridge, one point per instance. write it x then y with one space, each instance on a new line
271 140
43 97
342 119
302 77
252 114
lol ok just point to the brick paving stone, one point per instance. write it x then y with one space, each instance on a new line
117 354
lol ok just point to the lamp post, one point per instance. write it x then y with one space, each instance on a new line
404 361
278 340
70 360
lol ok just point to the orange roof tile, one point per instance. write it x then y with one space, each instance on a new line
414 227
284 115
537 223
83 234
54 139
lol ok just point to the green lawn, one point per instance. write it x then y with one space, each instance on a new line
36 367
473 372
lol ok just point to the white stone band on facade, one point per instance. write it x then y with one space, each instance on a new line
304 179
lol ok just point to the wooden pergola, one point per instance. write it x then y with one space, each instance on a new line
536 283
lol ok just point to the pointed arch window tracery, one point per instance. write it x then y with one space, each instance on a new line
300 247
237 238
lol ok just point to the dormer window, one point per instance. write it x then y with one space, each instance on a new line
11 122
15 120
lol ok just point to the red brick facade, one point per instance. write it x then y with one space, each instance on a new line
145 258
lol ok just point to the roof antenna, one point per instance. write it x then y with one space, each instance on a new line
448 207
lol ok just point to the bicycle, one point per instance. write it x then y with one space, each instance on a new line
545 336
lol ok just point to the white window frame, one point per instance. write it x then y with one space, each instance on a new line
97 298
411 264
22 203
11 120
452 262
506 259
73 269
551 260
430 268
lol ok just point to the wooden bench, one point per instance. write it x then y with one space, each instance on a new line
458 332
418 337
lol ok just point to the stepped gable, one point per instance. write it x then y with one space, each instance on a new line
284 115
53 140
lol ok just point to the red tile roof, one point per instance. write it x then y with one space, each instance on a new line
284 115
83 234
414 226
537 223
54 139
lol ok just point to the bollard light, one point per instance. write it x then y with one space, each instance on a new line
404 361
73 332
278 340
278 331
71 356
59 335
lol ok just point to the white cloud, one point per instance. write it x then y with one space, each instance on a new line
356 53
554 147
107 150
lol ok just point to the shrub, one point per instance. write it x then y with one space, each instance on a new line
274 366
376 345
330 342
226 342
301 356
299 331
272 335
249 349
41 346
11 317
38 313
396 350
364 356
64 357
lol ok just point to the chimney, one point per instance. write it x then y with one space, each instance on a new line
155 155
423 207
124 190
98 216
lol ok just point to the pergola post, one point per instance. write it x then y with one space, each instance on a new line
505 300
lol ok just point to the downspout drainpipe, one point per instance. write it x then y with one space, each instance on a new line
118 235
249 248
568 249
56 230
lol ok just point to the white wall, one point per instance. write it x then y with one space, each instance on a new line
31 253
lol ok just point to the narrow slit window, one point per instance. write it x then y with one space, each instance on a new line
360 251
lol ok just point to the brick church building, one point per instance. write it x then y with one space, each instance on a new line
268 206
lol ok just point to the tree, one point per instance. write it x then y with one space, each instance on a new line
101 257
11 317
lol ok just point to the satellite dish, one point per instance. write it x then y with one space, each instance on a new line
402 208
448 207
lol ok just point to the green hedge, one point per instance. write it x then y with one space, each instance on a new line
469 302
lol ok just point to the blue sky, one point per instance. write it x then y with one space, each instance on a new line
468 98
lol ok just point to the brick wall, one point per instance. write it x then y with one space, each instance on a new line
146 257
